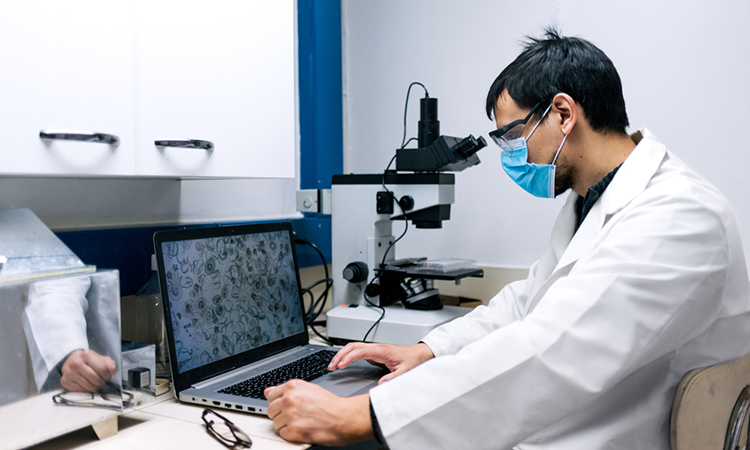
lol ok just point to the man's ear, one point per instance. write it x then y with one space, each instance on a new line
567 110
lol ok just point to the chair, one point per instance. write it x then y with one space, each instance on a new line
711 406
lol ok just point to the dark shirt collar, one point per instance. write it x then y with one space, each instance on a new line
584 204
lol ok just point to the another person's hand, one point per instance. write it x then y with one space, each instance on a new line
396 358
305 412
86 371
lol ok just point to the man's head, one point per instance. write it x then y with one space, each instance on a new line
555 64
567 93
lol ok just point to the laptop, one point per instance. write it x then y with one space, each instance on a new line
233 312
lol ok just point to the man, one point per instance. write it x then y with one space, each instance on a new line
644 279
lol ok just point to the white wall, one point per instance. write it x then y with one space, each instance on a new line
684 67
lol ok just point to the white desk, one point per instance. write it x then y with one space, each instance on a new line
169 424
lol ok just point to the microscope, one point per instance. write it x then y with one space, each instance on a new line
394 300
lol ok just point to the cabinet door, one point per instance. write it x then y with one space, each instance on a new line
220 71
66 67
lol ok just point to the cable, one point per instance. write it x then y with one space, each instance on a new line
403 213
300 241
427 94
312 324
312 314
404 143
382 314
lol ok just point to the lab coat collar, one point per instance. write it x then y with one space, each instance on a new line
566 244
635 172
631 179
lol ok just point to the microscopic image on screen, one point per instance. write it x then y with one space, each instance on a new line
230 294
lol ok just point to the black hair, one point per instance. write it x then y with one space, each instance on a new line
575 66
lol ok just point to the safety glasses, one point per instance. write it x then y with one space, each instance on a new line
512 131
224 431
110 396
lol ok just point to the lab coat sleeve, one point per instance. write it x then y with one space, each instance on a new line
653 284
55 323
502 310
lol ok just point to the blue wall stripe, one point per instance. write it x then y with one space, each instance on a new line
320 92
129 249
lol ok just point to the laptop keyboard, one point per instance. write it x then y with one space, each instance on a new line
307 368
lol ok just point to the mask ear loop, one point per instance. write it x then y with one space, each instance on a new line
558 149
540 121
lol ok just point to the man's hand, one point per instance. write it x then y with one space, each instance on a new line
396 358
305 412
86 371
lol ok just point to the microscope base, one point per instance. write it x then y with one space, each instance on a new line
399 325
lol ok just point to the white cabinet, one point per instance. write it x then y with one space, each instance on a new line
65 66
220 71
147 71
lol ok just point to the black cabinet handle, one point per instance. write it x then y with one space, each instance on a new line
110 139
187 143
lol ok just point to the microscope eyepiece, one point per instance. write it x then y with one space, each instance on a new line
470 145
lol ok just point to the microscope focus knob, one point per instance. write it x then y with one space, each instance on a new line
356 272
407 202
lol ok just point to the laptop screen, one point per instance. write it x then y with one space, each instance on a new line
230 294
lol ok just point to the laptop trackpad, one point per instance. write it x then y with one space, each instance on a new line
359 376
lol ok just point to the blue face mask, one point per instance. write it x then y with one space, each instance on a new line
536 179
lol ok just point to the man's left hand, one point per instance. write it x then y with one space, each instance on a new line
305 412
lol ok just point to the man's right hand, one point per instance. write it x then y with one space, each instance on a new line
396 358
86 371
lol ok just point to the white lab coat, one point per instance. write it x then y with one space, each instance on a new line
586 353
41 323
71 313
55 324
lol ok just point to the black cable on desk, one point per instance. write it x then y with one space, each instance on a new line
316 306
